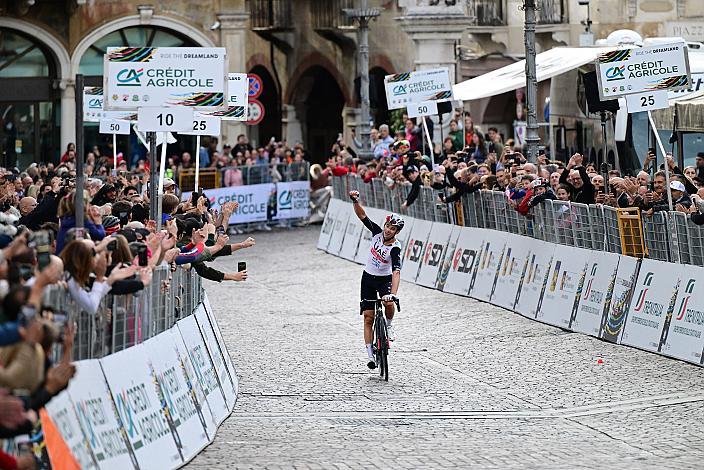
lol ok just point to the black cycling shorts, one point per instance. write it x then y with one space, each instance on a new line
371 286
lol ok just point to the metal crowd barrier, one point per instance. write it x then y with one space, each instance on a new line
122 321
668 236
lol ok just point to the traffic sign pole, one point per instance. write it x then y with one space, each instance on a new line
195 188
114 154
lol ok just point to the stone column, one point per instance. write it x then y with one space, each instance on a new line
68 112
292 129
233 29
435 30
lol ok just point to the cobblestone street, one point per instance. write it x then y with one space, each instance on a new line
471 385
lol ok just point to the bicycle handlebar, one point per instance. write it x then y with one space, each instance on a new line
396 301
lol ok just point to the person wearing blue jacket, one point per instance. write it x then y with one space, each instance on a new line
93 221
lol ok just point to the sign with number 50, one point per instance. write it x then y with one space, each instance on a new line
114 126
423 108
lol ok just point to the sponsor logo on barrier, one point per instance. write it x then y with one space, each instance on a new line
640 303
689 315
464 260
416 251
433 255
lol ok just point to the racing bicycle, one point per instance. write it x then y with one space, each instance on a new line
380 343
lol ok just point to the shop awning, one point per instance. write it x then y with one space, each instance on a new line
689 110
548 64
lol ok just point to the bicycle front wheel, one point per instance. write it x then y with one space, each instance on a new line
382 350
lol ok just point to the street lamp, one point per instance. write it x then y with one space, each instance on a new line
362 16
587 37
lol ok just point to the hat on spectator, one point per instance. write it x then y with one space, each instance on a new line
412 169
536 183
169 182
677 186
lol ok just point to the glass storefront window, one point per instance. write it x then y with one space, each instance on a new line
92 60
20 57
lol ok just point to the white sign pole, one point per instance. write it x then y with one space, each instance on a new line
662 149
430 144
114 154
162 171
195 188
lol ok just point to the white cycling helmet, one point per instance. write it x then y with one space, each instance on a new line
396 221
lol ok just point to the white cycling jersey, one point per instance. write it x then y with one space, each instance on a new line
380 260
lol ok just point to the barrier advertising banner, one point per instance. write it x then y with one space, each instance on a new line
179 405
221 343
376 216
227 383
145 416
253 201
414 249
71 435
618 297
535 280
684 338
653 302
190 375
203 368
599 280
165 76
514 265
338 230
328 223
448 258
629 71
434 254
293 200
353 233
565 283
487 268
403 89
98 424
464 260
405 234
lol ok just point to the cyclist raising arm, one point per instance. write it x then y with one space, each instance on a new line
382 273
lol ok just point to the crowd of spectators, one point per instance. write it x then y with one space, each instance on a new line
470 161
115 253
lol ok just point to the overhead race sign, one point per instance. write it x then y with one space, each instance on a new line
647 101
93 109
236 99
630 71
165 119
403 89
423 108
204 124
114 126
165 76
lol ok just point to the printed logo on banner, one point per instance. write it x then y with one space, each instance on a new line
129 77
415 250
399 90
685 300
615 73
464 260
640 303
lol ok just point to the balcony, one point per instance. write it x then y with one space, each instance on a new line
550 11
486 12
271 16
327 15
330 22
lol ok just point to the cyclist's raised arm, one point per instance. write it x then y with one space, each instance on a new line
358 209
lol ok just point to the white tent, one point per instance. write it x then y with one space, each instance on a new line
511 77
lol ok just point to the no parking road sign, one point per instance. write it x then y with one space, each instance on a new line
255 85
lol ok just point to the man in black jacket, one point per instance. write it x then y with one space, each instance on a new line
575 177
412 176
